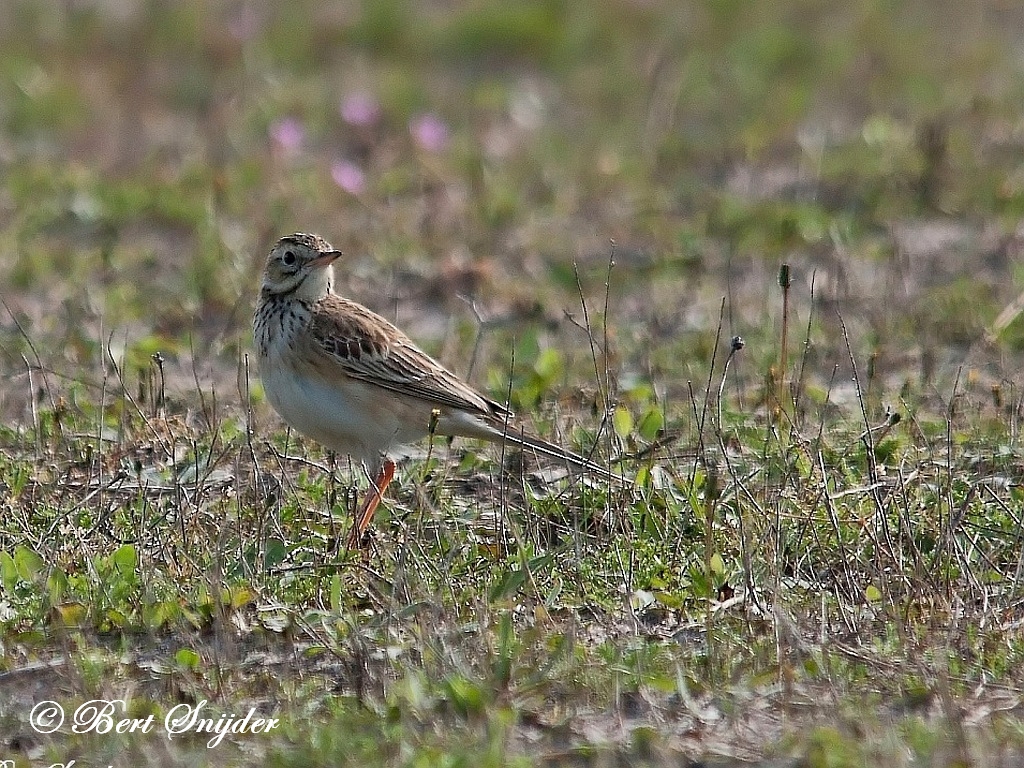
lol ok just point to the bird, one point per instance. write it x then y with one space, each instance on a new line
351 380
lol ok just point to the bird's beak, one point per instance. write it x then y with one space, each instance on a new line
325 258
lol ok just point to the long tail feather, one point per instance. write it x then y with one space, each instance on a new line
552 451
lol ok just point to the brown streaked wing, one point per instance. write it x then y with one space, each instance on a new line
365 346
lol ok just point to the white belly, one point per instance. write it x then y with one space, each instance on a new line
354 421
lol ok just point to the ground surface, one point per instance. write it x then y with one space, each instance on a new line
818 560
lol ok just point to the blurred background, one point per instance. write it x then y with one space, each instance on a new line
481 163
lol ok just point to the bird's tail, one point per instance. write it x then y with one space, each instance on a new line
496 427
574 460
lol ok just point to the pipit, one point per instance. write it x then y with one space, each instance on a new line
351 380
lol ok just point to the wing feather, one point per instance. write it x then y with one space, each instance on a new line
365 346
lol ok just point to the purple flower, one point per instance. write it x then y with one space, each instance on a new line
348 176
429 132
360 109
288 133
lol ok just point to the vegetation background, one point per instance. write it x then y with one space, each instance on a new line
577 206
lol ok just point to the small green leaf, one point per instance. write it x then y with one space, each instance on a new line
622 421
669 599
27 563
872 594
652 423
717 564
549 365
72 614
239 597
187 658
125 559
160 614
643 476
8 571
57 585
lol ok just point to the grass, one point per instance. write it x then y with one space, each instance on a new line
819 559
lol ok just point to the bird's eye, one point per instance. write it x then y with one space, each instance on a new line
289 258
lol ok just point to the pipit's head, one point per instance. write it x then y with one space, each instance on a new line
300 265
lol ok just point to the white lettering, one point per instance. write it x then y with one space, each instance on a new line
96 716
182 718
